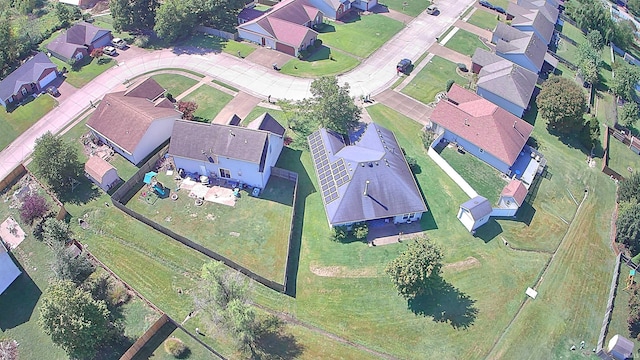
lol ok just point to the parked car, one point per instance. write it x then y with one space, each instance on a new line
432 9
109 50
500 10
403 65
119 43
486 4
53 91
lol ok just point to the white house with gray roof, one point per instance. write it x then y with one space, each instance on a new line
367 179
244 155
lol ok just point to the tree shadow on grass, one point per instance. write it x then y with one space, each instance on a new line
84 193
275 343
447 304
19 300
321 53
325 28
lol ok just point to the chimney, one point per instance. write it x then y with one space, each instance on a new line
466 121
366 188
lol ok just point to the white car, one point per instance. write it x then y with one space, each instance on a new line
119 43
109 50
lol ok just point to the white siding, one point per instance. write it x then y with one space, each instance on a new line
326 9
159 131
505 104
474 150
504 212
240 171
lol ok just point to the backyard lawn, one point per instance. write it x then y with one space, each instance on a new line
19 120
360 36
432 79
323 62
465 42
484 19
210 101
621 158
259 110
618 324
567 51
484 179
573 33
211 42
409 7
89 71
174 83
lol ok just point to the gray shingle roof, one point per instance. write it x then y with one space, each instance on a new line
27 73
510 40
78 36
366 180
268 123
195 140
478 207
532 17
547 9
509 81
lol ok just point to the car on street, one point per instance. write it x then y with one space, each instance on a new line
432 9
119 43
486 4
499 9
109 50
403 65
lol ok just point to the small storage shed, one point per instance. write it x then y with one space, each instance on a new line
475 213
101 172
620 348
8 269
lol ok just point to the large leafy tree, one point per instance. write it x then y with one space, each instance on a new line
628 114
66 266
332 105
56 162
74 320
629 189
628 228
129 14
634 7
589 61
595 40
625 78
562 103
592 15
174 19
416 270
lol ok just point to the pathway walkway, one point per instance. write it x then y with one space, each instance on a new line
405 105
450 55
483 33
240 105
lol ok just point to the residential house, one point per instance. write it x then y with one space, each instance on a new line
533 20
9 272
101 172
482 128
511 198
504 83
366 179
243 155
519 47
81 3
32 77
135 121
248 14
548 8
474 213
335 9
287 27
78 41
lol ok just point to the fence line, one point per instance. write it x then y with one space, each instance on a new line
605 161
291 176
17 172
451 172
142 340
219 33
610 303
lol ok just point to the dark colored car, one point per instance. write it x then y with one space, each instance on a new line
499 9
53 91
486 4
403 65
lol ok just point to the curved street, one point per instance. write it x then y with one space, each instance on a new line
372 76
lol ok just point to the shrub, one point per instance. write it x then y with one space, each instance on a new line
317 43
413 163
339 234
142 41
175 347
450 83
118 293
33 207
169 96
361 230
97 52
103 60
427 138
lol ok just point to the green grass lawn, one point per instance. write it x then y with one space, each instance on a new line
573 33
621 158
482 177
323 62
19 120
212 42
175 84
567 51
618 324
261 239
262 7
606 109
81 77
210 101
106 22
362 36
484 19
465 42
259 110
412 7
501 3
432 79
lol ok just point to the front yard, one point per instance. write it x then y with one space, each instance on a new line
359 35
210 101
411 8
19 120
211 42
484 19
89 71
175 84
323 62
465 42
432 79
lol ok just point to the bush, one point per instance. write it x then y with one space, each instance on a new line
175 347
169 96
360 231
339 234
427 138
118 293
317 43
33 207
450 83
142 41
103 60
413 163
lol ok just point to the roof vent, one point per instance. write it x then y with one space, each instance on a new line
370 164
362 164
466 121
366 188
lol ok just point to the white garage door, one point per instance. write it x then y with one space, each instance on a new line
47 79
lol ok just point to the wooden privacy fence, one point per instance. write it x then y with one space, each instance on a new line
12 176
291 176
610 302
142 341
219 33
605 161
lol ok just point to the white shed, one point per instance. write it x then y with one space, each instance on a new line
8 269
101 172
475 213
620 348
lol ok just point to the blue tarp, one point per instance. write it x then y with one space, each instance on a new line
149 176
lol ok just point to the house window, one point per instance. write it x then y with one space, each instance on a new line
406 216
224 173
481 150
23 91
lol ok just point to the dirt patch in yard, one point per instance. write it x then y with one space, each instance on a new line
343 271
466 264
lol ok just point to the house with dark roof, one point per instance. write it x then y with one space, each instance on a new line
32 77
502 82
548 8
481 127
519 47
366 179
243 155
78 41
532 20
135 121
9 272
475 213
286 27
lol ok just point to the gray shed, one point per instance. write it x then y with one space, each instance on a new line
620 348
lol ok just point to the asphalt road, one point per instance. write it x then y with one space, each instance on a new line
373 76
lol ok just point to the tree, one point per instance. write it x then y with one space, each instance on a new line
590 133
623 34
56 162
64 14
592 15
628 228
332 106
220 287
417 269
562 103
74 320
634 7
132 15
33 207
174 19
121 14
629 189
56 232
187 108
594 38
241 321
628 114
97 52
6 50
588 62
625 78
66 266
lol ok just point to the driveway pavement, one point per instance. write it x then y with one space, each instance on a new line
373 76
405 105
450 55
240 105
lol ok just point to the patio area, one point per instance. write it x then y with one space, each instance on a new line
11 233
382 232
214 193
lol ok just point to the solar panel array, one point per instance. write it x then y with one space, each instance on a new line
330 175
